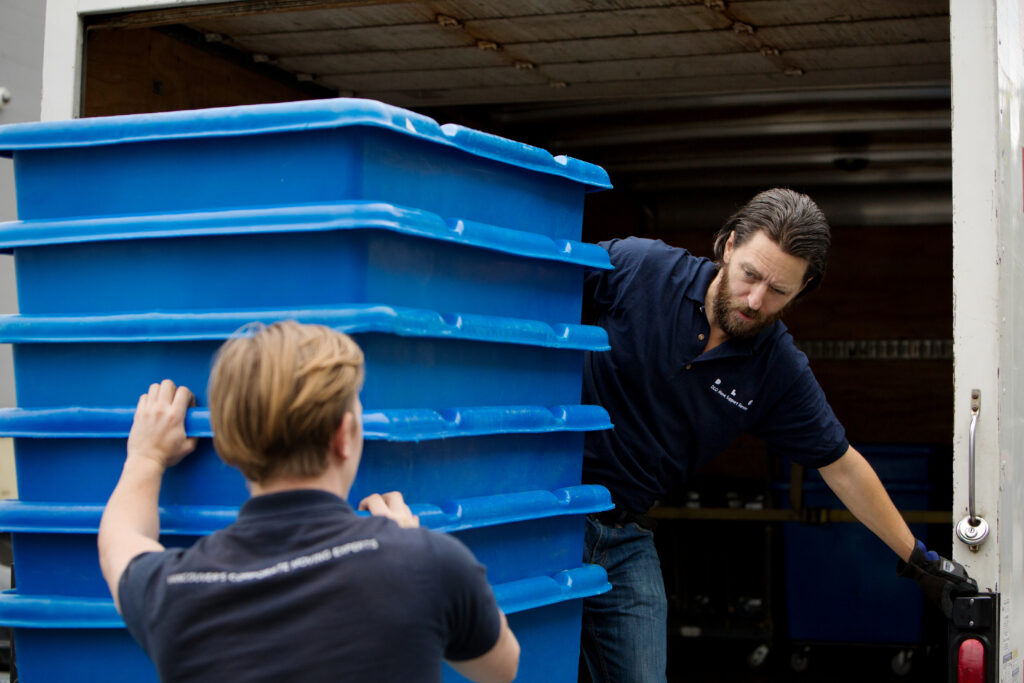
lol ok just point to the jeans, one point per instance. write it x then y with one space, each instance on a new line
625 630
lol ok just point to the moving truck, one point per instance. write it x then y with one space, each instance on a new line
903 119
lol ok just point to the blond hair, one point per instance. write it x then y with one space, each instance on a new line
277 395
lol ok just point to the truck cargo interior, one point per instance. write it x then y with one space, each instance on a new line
692 108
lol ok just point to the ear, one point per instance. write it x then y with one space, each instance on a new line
804 285
730 244
343 439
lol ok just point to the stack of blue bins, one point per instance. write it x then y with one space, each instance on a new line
452 257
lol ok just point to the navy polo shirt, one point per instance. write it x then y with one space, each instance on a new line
675 407
301 588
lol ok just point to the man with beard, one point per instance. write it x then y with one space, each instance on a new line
698 357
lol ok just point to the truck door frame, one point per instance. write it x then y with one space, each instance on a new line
987 60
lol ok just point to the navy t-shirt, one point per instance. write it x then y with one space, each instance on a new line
673 406
301 588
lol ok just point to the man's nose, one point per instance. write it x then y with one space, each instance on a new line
756 296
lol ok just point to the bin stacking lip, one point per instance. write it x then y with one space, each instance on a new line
570 584
302 218
407 424
193 520
350 318
58 611
291 117
53 612
420 425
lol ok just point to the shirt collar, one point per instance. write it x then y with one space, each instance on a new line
285 502
698 287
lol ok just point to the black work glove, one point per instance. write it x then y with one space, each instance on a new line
941 580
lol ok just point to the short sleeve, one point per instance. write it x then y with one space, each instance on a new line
604 288
139 588
132 591
801 424
471 612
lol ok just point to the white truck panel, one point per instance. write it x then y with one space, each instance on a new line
988 319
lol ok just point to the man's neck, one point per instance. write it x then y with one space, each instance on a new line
329 481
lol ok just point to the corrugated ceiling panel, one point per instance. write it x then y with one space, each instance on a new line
597 48
832 59
596 24
781 12
746 83
669 67
380 49
573 74
481 9
605 49
402 37
427 33
394 60
314 20
668 45
393 13
451 78
895 32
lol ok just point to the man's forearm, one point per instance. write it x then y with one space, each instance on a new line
857 485
157 440
133 505
131 519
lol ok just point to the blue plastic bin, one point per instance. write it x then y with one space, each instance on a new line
295 257
293 153
76 455
72 652
88 634
549 641
64 603
414 358
516 535
841 583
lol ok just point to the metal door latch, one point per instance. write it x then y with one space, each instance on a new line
972 529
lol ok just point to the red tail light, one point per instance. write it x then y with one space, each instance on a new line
970 665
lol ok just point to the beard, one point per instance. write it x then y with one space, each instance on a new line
736 328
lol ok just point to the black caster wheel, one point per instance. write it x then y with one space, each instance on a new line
758 657
902 662
800 660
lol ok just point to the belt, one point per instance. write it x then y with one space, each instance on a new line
619 517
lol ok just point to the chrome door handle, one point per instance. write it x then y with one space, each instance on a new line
972 529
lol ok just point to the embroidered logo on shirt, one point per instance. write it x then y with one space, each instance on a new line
296 563
730 396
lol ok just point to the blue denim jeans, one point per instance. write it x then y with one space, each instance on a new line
625 630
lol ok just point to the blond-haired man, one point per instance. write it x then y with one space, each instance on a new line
299 587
